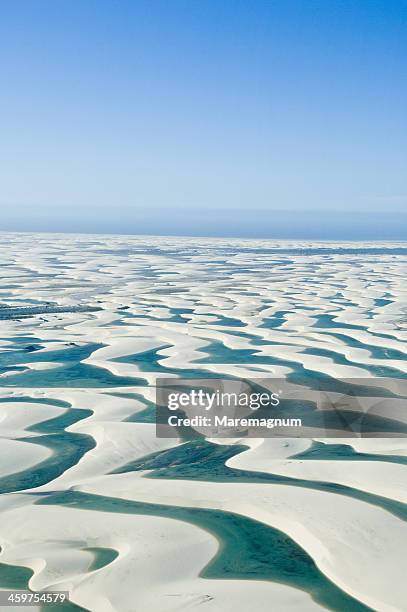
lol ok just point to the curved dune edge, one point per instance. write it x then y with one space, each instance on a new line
76 477
15 453
384 479
165 576
139 433
329 527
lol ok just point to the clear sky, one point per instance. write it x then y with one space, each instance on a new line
269 118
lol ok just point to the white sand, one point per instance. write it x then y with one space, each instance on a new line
357 545
340 533
157 567
15 453
379 478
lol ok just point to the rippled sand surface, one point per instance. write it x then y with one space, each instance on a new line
91 501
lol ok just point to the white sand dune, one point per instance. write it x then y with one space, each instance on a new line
157 567
22 455
17 417
386 479
339 533
183 299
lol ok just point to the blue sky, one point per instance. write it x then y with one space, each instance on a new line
268 118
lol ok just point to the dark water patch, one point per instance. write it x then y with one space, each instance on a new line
59 423
14 577
14 369
145 415
219 353
166 290
172 317
249 549
72 372
380 302
76 376
102 557
328 321
31 311
255 339
227 321
67 448
275 320
150 414
35 400
377 352
30 348
339 358
149 361
17 301
17 339
67 353
178 312
344 452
